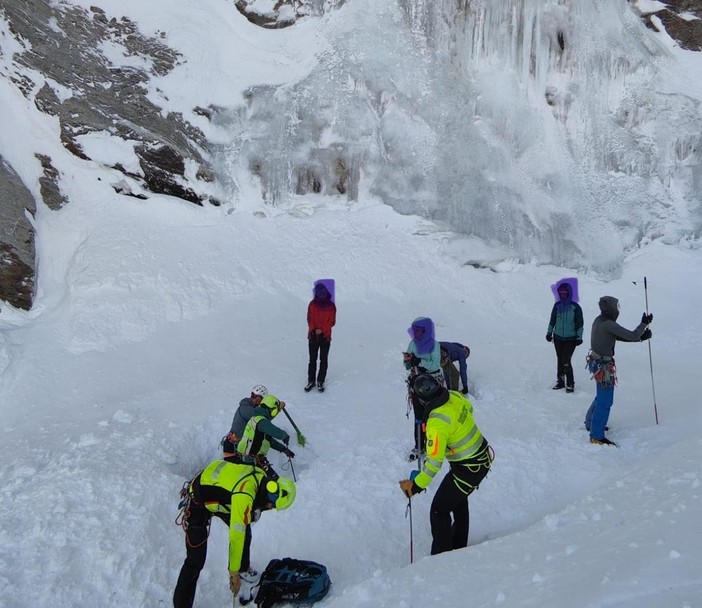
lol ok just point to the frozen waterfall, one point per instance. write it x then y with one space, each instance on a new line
559 129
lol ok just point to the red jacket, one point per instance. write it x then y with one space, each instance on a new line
321 316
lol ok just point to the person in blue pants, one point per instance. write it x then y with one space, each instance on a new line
604 335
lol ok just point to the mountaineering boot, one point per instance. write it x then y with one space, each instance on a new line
559 385
320 387
309 387
570 388
603 441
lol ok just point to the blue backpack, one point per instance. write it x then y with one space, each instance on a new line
292 580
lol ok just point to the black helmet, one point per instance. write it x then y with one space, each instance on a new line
426 387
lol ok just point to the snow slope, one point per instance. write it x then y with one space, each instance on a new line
155 318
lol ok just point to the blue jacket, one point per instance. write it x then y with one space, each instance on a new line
456 352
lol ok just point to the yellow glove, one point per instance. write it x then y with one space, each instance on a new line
234 582
406 486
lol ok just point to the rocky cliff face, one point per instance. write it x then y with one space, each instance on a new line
87 93
64 70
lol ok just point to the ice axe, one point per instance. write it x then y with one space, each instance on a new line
300 437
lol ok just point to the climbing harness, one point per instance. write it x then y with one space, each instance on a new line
602 369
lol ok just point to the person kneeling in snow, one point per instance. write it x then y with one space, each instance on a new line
451 434
237 494
260 434
242 415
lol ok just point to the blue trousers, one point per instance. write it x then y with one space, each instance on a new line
598 413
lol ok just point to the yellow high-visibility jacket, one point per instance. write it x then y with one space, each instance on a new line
228 491
451 434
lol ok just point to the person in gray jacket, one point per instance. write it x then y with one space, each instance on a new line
604 335
242 415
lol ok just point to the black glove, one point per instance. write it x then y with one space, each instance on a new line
646 319
464 390
646 335
414 360
578 342
549 338
289 453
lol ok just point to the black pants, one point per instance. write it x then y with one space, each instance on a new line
451 500
564 353
196 554
420 434
318 346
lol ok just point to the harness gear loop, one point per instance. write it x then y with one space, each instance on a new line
183 517
602 369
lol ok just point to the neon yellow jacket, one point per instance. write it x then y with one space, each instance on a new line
228 491
451 434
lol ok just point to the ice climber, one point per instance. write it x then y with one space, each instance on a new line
604 335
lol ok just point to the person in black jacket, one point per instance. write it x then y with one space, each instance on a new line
565 330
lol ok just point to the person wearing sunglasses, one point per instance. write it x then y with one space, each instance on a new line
237 494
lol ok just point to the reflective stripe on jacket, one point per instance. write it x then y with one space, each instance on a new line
260 436
451 434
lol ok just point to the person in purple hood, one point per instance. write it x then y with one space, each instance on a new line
565 330
423 356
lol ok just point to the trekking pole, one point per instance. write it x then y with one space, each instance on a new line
300 437
650 359
409 511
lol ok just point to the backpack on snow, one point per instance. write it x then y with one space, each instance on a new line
292 580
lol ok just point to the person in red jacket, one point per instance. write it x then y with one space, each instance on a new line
321 317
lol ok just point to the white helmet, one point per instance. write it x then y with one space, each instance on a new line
259 390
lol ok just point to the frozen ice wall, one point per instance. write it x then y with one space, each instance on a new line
556 128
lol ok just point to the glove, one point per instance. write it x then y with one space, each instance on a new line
414 474
289 453
646 335
406 486
414 361
464 390
646 319
234 582
549 338
578 342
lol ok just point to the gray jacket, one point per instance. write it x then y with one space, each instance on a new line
606 331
